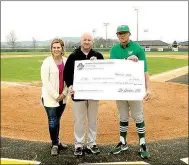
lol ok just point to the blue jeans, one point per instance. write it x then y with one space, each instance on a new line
54 115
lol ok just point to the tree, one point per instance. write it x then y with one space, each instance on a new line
101 41
175 45
11 39
34 42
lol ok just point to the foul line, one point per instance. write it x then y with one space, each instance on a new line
165 76
17 161
185 160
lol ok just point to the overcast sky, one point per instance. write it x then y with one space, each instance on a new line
44 20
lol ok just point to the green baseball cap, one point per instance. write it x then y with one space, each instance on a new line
123 28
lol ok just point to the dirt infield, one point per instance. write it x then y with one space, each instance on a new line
170 56
166 114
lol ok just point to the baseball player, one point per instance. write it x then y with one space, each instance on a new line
130 50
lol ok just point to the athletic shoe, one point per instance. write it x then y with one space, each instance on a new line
119 147
78 151
93 149
144 151
62 146
54 150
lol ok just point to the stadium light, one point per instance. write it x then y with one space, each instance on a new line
136 9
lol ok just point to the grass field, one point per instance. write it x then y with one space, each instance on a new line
158 65
28 69
24 53
104 53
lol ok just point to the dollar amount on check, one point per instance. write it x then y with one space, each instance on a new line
109 80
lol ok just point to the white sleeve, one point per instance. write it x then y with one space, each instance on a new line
45 80
65 91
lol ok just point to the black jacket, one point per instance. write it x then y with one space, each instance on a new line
77 55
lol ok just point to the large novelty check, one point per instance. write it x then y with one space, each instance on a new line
109 80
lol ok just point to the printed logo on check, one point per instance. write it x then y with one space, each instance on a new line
80 66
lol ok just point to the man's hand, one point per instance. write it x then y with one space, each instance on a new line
133 58
147 96
93 58
70 90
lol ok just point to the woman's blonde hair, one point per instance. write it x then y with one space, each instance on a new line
57 40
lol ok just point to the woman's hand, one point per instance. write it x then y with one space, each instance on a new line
60 98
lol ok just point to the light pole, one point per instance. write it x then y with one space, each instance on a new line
146 36
106 24
137 22
94 30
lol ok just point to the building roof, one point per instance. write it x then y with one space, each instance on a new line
185 43
152 43
143 43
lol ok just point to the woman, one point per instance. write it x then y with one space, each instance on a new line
54 91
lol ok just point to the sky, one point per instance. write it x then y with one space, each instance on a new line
45 20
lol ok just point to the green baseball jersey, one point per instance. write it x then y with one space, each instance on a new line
132 48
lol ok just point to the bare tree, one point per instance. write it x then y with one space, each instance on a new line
11 39
34 42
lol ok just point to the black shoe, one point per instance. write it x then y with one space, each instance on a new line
62 146
54 150
93 149
119 148
144 152
78 151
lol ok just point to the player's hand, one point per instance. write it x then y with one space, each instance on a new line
133 58
70 90
147 96
93 58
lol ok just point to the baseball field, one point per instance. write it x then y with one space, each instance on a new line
23 116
